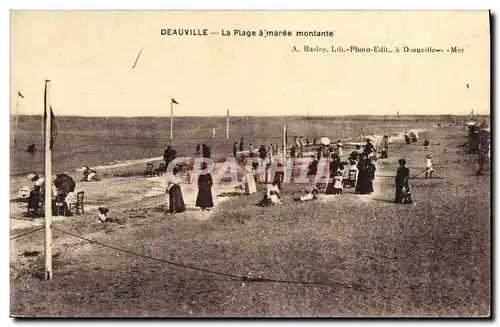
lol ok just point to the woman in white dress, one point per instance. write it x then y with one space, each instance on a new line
272 195
250 186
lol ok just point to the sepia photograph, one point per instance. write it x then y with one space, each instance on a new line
257 164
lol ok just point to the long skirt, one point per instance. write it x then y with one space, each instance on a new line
369 185
364 184
403 194
361 183
250 186
329 188
204 198
175 200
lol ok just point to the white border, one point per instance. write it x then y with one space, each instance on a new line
6 5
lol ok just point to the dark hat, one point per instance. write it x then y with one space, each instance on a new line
103 210
402 162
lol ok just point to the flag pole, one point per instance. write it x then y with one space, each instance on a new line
284 150
227 125
17 114
48 184
171 118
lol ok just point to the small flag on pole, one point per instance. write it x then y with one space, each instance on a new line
19 94
173 101
54 131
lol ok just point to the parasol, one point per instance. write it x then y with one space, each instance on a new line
64 183
325 141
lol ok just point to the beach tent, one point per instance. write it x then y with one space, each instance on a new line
479 137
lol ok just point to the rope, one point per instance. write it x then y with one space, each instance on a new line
213 272
27 233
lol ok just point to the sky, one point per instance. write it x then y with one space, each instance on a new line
88 56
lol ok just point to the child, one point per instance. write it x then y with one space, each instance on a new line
430 168
337 183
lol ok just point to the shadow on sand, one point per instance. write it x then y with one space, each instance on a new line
384 200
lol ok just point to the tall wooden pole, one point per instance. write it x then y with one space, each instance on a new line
227 125
48 184
17 115
284 150
171 119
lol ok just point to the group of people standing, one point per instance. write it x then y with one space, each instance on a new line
360 173
204 199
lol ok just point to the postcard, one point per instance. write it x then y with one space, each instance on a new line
250 164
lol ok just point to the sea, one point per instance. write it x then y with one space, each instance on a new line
103 142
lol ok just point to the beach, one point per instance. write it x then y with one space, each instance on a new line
341 256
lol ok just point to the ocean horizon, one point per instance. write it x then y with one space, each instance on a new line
102 141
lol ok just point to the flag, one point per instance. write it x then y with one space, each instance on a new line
173 101
53 125
54 131
19 94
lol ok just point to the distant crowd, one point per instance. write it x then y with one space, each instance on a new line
355 170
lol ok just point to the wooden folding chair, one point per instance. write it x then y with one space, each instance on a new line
160 170
78 205
149 170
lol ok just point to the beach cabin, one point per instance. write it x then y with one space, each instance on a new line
479 137
486 140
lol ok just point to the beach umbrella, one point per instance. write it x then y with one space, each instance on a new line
64 183
325 141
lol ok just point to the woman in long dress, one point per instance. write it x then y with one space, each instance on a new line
204 199
362 176
335 165
250 185
175 199
370 176
402 187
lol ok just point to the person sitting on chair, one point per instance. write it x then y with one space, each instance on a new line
37 181
60 206
35 203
